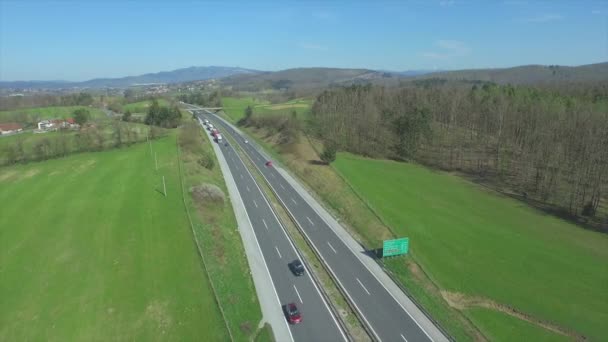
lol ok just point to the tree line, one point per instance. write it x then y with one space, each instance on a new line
163 116
213 99
76 99
549 144
89 139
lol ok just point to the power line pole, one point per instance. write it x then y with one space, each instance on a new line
164 186
149 142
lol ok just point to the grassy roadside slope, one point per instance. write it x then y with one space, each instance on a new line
475 242
91 250
217 233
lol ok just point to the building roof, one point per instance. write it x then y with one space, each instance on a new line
10 126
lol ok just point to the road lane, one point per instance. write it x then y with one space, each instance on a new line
318 322
389 321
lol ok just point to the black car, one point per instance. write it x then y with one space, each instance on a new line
296 267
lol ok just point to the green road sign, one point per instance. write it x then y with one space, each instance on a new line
395 247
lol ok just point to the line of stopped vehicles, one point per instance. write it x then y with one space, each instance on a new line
297 268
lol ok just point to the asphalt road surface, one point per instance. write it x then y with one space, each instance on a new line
388 319
318 323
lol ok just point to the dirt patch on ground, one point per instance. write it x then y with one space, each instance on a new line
218 251
207 194
461 301
85 165
30 173
4 175
286 106
157 312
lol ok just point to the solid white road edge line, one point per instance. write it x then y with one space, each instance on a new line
360 283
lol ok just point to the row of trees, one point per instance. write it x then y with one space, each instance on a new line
76 99
213 99
38 148
287 126
167 117
539 143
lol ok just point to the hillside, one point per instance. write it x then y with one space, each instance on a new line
302 78
528 74
174 76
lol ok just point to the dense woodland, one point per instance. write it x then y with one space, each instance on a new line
163 116
546 145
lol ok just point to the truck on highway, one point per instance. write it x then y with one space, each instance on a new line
218 138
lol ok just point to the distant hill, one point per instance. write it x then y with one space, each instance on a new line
175 76
528 74
303 78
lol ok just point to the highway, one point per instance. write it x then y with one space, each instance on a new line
384 314
318 322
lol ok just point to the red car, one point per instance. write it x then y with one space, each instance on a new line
293 315
269 163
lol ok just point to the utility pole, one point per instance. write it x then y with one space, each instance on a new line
164 186
155 162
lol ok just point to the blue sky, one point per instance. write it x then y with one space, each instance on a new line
78 40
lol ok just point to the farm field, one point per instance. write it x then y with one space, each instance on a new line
235 107
47 113
90 249
142 106
476 244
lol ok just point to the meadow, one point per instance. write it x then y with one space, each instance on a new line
41 113
235 107
91 249
141 107
482 248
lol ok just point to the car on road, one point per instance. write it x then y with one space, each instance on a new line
296 267
209 126
218 138
269 163
293 314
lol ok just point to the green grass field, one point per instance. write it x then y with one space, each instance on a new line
498 326
475 242
91 250
48 113
142 106
235 107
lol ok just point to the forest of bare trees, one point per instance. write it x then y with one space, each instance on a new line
546 145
